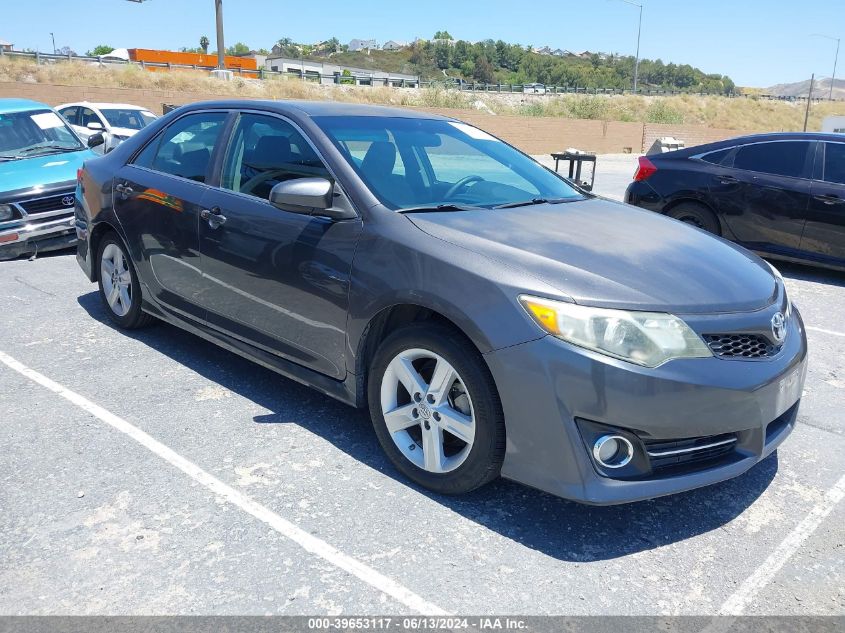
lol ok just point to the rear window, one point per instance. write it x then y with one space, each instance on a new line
834 163
718 157
780 158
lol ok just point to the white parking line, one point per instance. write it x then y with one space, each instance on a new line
284 527
823 331
762 576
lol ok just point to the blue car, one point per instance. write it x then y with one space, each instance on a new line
39 158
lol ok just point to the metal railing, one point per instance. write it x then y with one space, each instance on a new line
396 82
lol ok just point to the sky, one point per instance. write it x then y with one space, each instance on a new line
756 42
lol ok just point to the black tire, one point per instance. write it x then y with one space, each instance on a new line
484 461
135 317
696 214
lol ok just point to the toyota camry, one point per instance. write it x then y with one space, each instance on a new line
493 318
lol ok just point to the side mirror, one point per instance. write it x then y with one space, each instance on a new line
95 140
308 196
96 126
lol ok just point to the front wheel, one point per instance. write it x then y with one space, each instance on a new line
120 290
435 409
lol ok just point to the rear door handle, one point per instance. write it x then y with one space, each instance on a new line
829 199
213 216
727 180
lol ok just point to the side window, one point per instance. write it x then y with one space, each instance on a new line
781 158
718 157
184 148
265 151
87 115
71 114
834 163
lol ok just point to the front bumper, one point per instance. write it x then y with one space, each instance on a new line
31 237
546 384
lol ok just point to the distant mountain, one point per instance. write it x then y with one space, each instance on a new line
821 89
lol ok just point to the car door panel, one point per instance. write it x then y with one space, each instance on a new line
824 233
158 200
277 279
764 211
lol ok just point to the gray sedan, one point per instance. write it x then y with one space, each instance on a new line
495 319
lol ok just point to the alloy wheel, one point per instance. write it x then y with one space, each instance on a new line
116 279
428 410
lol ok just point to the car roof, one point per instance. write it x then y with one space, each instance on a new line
106 106
786 136
320 108
21 105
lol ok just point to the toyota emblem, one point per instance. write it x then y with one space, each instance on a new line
67 201
779 327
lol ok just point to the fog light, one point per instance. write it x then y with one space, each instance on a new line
613 451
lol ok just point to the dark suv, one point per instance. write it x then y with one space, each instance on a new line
782 195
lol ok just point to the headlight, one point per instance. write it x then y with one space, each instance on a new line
6 212
644 338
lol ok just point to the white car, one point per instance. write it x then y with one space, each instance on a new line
116 121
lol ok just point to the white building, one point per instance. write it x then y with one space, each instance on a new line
361 45
6 46
393 45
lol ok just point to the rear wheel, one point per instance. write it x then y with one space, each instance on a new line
435 409
120 290
697 215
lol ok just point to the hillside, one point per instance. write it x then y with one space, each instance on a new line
821 89
500 62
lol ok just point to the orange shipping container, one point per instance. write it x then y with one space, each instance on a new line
191 59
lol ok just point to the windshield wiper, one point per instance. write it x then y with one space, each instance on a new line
8 157
440 207
525 203
37 148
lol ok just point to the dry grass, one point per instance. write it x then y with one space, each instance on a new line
746 114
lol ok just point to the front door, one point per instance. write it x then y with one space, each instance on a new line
824 233
763 196
157 198
276 279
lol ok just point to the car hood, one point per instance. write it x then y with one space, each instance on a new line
41 170
607 254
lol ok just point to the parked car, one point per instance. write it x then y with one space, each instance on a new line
115 121
538 89
39 156
782 195
493 318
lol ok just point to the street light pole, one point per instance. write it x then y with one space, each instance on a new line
835 60
639 32
221 50
54 42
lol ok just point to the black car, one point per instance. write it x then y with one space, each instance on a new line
782 195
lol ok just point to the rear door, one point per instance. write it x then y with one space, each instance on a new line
762 191
157 198
824 233
276 279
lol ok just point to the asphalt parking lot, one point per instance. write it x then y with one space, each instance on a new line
154 473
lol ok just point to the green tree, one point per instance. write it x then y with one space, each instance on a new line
483 71
204 43
102 49
238 49
442 52
442 35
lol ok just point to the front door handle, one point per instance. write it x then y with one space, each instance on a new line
727 180
213 216
829 199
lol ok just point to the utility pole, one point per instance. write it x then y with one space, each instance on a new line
809 98
54 43
221 47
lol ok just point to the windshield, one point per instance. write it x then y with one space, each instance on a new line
428 163
129 118
34 133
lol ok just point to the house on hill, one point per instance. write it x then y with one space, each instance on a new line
361 45
393 45
5 46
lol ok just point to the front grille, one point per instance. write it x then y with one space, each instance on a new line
740 346
50 203
682 454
